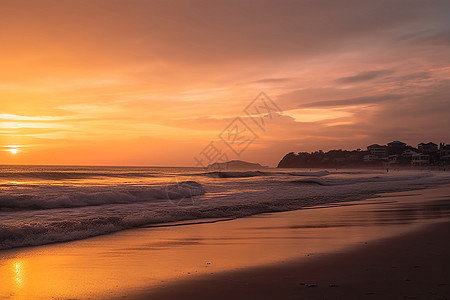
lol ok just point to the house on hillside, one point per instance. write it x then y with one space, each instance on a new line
420 159
427 148
396 147
408 153
378 150
444 152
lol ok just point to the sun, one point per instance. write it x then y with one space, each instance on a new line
13 150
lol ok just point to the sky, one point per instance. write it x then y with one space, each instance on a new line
115 82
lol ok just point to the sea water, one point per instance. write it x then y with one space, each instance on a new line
47 204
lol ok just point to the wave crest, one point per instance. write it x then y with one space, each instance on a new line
82 199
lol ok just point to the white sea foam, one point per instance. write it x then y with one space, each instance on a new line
73 199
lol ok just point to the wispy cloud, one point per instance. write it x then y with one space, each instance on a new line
364 76
272 80
12 117
354 101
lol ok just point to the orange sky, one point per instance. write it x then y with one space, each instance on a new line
111 82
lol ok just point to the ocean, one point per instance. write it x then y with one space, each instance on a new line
47 204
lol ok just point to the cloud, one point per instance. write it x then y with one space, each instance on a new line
439 37
415 76
354 101
272 80
364 76
198 32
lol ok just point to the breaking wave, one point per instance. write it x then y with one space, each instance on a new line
82 199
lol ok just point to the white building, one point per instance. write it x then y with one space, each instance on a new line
420 159
370 157
427 148
409 153
444 151
378 150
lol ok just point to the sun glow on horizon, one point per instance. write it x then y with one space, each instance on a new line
13 150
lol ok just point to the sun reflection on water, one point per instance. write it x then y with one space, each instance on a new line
18 273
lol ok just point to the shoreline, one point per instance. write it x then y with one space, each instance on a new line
412 266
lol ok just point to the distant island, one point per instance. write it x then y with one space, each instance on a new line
395 153
236 165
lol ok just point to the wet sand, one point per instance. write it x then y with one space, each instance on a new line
251 257
413 266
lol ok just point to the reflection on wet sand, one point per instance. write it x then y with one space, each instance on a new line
128 261
18 270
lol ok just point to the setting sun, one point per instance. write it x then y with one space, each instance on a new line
13 151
